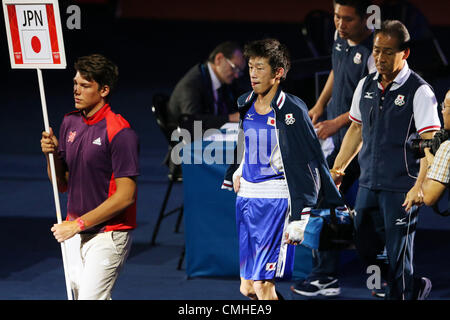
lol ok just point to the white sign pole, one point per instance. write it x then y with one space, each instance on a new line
54 182
35 41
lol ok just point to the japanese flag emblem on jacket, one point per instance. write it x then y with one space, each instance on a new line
357 59
289 119
400 100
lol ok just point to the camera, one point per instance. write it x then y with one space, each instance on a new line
418 145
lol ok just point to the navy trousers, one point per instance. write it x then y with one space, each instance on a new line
381 221
326 263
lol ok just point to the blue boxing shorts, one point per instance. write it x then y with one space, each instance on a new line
261 219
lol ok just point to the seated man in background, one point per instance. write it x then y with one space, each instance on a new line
438 175
206 92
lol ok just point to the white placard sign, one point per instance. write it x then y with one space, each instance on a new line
35 41
33 28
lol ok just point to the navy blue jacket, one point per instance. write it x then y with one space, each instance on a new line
306 171
349 66
387 163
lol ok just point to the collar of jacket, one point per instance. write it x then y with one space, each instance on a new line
246 100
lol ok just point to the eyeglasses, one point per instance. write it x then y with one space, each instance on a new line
443 106
235 68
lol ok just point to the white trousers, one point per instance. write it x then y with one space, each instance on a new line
94 263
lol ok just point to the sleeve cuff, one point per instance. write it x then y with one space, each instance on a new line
354 119
429 128
227 185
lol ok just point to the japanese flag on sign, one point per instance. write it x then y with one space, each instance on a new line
34 34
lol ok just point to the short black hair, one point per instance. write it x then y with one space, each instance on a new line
359 5
227 48
98 68
276 52
395 28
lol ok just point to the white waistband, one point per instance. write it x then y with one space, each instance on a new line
271 189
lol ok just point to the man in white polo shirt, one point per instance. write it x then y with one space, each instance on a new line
388 107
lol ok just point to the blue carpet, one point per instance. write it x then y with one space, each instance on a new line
31 265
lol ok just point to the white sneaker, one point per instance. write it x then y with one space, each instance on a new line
425 290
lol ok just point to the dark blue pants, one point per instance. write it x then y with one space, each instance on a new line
381 221
326 263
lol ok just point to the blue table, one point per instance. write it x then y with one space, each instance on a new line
212 247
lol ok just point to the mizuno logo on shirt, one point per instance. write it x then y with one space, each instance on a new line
249 116
97 141
369 95
400 222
